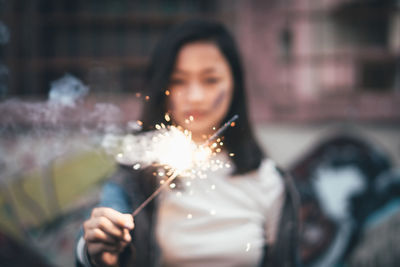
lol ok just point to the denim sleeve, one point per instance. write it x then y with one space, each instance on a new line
115 197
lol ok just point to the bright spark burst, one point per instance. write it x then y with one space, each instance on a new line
168 147
136 166
167 117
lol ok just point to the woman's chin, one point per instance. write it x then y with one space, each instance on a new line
199 133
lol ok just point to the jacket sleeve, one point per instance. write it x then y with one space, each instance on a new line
284 252
115 197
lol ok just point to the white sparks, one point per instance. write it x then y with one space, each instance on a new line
172 149
248 246
136 166
213 212
169 148
189 216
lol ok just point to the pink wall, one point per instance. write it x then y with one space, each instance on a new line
314 85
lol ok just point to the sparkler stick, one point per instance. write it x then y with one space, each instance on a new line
220 130
155 193
176 173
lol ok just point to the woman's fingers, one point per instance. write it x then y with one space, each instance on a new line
97 235
98 248
107 233
127 235
111 222
106 225
119 219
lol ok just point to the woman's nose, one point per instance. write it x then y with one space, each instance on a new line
195 92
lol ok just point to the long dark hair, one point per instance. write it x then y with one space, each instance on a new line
240 139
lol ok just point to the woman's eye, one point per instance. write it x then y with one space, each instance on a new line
177 81
211 80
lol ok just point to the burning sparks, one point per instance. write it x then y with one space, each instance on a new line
136 166
167 93
171 150
168 147
248 246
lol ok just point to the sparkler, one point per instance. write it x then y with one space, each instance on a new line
177 172
221 130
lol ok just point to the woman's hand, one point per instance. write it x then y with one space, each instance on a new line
106 235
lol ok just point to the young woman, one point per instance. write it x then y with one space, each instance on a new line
250 219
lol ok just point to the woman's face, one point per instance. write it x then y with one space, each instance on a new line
201 88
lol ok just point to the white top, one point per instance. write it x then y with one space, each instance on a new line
221 220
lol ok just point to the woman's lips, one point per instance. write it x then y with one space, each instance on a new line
197 114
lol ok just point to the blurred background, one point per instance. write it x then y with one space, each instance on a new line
323 80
